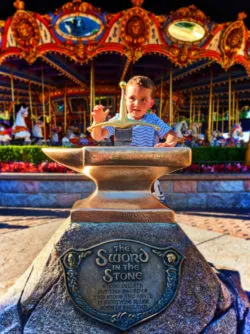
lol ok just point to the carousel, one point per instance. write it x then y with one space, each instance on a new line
56 67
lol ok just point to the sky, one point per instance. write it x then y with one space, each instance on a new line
218 10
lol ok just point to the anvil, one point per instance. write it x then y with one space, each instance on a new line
123 178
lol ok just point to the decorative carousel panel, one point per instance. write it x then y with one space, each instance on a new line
214 44
59 107
154 36
45 34
186 31
2 24
233 39
78 104
25 30
114 33
81 26
108 101
248 50
135 27
11 42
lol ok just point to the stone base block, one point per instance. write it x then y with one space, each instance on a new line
40 301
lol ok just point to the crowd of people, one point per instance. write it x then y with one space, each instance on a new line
20 131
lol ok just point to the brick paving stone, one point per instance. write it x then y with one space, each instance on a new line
235 224
225 223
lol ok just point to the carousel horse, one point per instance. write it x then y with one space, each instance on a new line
19 128
234 137
197 138
181 128
188 137
4 134
72 135
195 128
55 135
217 139
5 129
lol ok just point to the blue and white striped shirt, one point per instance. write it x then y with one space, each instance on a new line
145 136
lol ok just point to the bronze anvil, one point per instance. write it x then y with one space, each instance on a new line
123 178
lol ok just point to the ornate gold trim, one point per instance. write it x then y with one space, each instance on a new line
135 25
26 32
232 41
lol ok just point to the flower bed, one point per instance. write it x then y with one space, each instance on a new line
53 167
29 167
209 168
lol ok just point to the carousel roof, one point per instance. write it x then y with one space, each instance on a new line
56 51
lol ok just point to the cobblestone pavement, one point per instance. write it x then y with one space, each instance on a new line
233 223
13 219
236 224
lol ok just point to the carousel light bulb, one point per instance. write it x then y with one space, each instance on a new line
122 84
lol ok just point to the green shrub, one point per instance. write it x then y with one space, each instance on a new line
218 154
22 153
34 154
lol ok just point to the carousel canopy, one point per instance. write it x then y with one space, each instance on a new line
184 50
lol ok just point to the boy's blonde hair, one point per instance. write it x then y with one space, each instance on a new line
143 81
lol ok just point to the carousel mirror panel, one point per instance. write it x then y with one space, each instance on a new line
59 107
108 101
83 26
78 104
186 31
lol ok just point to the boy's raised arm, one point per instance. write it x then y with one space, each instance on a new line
99 116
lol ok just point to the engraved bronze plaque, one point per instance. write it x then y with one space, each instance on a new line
122 282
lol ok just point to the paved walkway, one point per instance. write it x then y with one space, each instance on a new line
236 224
223 238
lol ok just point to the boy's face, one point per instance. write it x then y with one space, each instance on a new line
138 101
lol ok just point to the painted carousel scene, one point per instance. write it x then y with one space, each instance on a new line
101 229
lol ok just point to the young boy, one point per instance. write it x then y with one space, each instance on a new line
139 99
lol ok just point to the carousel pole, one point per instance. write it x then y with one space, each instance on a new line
199 117
65 110
237 111
217 114
43 102
171 118
125 70
84 122
161 98
194 112
92 90
190 108
233 108
213 109
50 127
222 121
229 102
209 132
90 94
31 105
12 95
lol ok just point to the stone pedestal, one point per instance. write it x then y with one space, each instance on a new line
41 303
120 263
